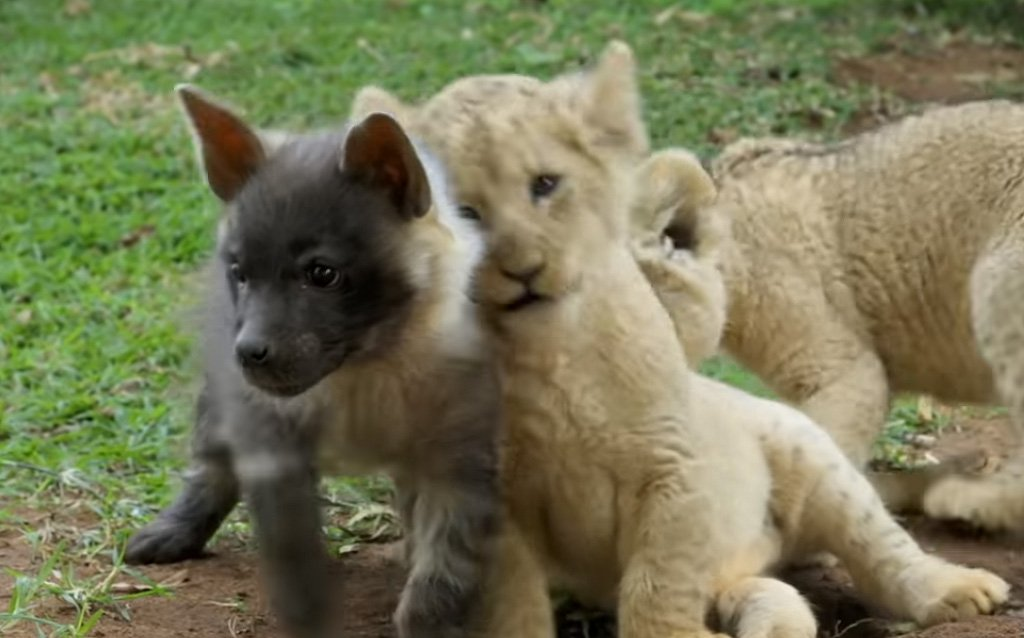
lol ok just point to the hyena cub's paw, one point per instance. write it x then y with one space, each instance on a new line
164 541
433 609
942 592
994 503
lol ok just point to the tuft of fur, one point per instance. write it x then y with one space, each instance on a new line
890 262
630 480
339 339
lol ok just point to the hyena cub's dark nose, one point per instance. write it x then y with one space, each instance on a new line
252 353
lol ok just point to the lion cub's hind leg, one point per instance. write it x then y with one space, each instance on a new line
842 514
757 607
994 501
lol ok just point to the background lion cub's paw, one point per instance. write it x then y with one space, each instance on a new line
949 593
988 503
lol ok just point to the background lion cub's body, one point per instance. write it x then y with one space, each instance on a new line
894 260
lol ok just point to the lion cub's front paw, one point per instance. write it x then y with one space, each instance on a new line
943 592
992 503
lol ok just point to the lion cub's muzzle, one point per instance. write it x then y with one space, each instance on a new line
526 278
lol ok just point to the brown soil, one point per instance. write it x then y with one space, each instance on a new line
958 72
221 595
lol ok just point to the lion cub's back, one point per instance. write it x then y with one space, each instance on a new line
922 204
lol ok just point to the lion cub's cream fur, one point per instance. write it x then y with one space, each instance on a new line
891 262
630 480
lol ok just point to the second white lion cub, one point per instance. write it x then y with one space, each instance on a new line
628 479
890 262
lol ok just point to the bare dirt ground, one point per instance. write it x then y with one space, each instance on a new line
958 72
221 595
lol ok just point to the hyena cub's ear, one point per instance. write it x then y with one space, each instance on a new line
611 100
671 189
229 151
378 152
373 99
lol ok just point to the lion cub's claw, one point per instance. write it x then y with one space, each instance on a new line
950 593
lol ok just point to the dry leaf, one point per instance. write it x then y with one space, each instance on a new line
75 8
137 235
926 408
664 16
48 84
129 588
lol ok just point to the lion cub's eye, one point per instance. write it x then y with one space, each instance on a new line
543 185
468 212
323 276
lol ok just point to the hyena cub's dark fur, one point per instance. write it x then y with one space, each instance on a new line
338 339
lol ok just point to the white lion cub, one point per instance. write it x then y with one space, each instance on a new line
630 480
890 262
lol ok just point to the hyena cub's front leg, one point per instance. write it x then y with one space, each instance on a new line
210 492
845 516
451 515
279 483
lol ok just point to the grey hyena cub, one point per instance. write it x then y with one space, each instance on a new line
338 338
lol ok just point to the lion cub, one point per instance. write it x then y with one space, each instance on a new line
628 479
338 339
890 262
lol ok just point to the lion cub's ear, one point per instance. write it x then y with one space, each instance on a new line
611 102
373 99
229 150
671 187
378 153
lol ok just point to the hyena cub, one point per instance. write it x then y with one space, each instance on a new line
338 339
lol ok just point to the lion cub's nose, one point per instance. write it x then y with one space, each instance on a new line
523 275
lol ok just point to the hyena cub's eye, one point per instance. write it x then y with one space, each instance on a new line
323 276
543 186
468 212
235 271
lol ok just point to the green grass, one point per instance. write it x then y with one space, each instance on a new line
105 220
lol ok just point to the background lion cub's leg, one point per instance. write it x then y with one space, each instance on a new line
814 360
758 607
516 600
845 516
827 371
995 501
665 589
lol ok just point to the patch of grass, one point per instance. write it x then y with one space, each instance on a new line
899 444
105 219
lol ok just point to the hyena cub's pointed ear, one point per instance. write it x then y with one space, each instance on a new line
378 152
373 99
229 151
612 103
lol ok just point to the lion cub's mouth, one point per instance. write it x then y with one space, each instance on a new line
527 299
